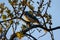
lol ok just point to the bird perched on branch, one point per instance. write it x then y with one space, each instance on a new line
31 18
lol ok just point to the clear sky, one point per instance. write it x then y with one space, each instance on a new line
54 10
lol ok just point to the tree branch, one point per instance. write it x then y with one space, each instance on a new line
31 36
41 26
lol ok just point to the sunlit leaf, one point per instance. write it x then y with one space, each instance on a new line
8 11
4 17
10 15
13 2
30 6
6 25
0 29
11 21
2 7
1 10
26 18
24 2
45 31
19 35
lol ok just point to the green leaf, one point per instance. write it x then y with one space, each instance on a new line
24 27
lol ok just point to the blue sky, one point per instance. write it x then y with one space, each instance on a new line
54 10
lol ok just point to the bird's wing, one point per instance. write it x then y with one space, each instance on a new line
31 17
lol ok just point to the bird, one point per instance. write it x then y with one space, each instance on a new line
29 17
